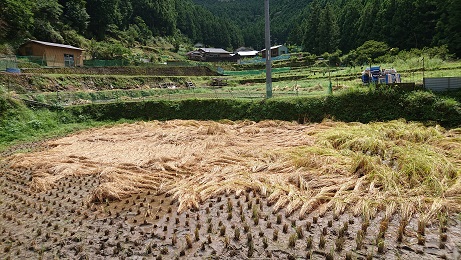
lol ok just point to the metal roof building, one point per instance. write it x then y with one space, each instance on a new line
276 51
53 54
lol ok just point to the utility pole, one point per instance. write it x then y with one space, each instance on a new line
268 50
423 73
330 89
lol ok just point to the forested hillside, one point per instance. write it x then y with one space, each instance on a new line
127 21
319 26
249 16
328 25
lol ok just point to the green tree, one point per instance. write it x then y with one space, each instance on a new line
368 27
124 14
102 14
159 15
47 21
310 28
348 25
187 22
328 31
75 14
448 26
370 50
424 22
16 19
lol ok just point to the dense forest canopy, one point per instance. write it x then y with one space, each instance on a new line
249 17
66 21
328 25
318 26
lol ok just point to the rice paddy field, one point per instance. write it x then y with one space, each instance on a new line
233 190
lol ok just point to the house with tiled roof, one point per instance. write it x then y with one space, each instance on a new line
210 54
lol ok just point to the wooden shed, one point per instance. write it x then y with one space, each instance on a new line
53 54
275 51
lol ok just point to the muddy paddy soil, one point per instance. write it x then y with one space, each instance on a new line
64 221
60 223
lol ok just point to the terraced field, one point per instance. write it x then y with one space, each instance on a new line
192 189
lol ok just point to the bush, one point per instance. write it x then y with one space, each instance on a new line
108 50
368 52
351 106
3 104
20 123
6 49
418 105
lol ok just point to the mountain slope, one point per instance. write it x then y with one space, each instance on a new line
249 17
329 25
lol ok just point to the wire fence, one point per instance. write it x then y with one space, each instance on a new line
254 72
52 61
30 60
105 63
111 96
48 61
258 60
7 62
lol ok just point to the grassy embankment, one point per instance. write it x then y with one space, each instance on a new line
87 85
363 105
136 97
19 124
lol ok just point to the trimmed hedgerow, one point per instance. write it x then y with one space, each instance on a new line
355 105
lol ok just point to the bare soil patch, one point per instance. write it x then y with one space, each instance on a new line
235 190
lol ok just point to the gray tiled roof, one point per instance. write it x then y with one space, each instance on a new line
215 50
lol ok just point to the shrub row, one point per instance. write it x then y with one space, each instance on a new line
351 106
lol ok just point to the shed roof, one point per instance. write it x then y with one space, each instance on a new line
55 45
247 53
274 47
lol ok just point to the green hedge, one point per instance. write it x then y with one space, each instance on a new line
351 106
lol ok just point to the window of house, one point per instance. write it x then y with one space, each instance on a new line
69 60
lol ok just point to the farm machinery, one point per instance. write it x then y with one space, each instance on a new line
377 75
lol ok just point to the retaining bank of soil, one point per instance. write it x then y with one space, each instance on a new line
148 71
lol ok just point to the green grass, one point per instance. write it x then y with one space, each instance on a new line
19 124
24 124
41 124
410 69
300 81
69 98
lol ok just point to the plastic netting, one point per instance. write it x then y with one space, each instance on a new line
104 63
7 62
255 72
